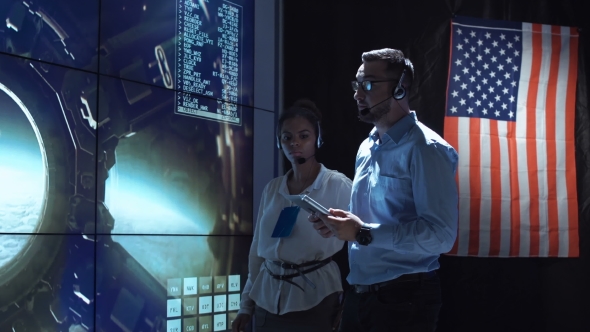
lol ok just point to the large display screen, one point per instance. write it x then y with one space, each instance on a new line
126 163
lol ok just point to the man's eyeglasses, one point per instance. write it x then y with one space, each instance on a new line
366 85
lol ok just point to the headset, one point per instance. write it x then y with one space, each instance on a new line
400 92
319 141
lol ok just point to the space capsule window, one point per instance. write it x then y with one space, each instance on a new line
22 175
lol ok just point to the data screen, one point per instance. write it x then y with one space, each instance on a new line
196 46
201 49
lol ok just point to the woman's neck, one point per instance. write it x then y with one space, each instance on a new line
303 176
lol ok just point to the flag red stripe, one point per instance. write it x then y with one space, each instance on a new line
514 190
474 184
531 140
550 114
496 188
570 152
450 132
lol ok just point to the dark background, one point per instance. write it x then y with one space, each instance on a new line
323 43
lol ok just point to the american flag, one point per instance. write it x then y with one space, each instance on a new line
510 115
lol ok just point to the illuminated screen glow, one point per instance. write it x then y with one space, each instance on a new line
22 174
126 163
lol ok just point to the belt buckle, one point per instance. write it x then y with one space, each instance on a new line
286 266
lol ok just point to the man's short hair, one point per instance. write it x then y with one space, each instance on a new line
396 63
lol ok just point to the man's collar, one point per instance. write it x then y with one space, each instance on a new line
398 130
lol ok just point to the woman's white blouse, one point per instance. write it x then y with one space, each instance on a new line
332 190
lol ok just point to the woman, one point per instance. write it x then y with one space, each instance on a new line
292 283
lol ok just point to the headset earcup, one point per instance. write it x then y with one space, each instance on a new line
320 141
399 93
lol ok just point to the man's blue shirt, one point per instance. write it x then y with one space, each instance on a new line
404 187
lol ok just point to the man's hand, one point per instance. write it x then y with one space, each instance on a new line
343 224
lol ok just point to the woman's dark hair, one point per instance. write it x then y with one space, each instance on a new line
304 108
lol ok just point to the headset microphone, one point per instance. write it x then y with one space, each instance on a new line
366 111
302 160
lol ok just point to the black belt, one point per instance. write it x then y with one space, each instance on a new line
300 271
403 278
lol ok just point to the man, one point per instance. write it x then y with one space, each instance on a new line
403 208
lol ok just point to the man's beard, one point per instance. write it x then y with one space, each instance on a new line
375 115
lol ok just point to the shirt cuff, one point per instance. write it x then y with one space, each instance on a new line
384 237
247 311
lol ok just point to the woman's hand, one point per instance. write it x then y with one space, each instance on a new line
239 324
320 226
